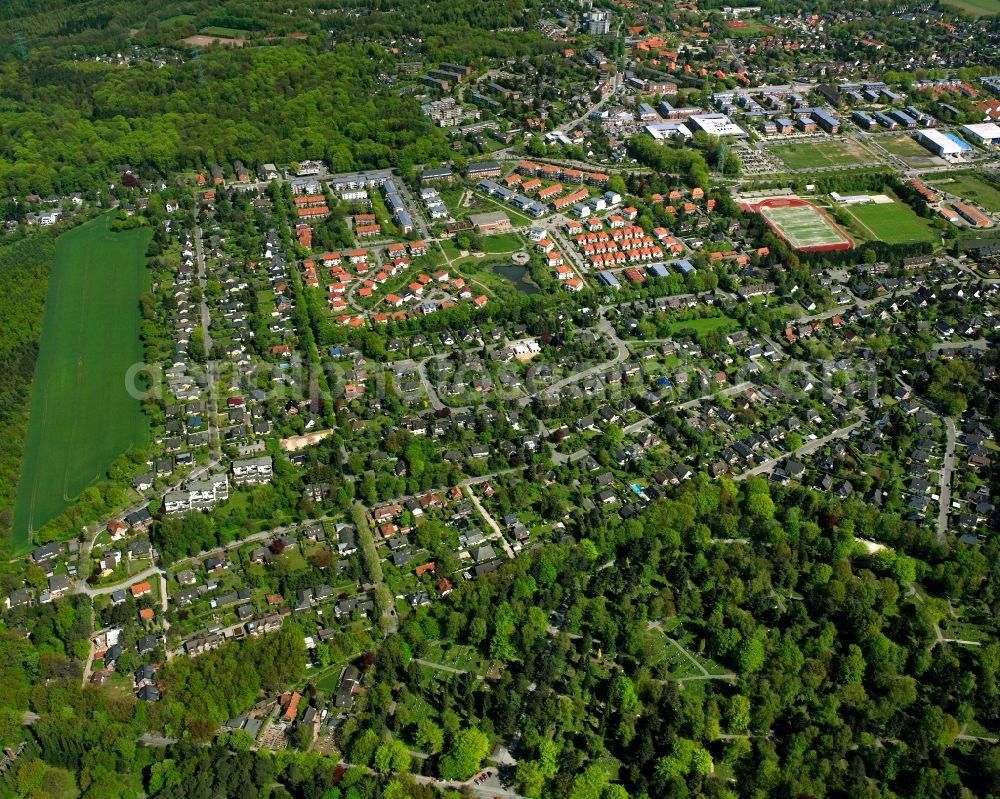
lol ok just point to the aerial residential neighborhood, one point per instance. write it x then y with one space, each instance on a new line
500 401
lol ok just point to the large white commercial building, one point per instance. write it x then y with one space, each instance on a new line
945 145
986 133
718 125
668 130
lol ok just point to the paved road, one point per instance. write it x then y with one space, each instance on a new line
145 574
210 365
622 353
152 739
705 674
490 521
944 487
977 344
806 449
425 381
647 420
440 666
559 458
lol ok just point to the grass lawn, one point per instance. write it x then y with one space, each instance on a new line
82 416
516 217
452 199
678 664
461 657
972 187
450 248
226 33
963 630
504 243
812 154
902 145
703 325
169 22
420 708
294 560
893 223
979 8
382 216
329 682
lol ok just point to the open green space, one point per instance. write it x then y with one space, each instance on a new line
972 187
504 243
178 19
820 153
329 682
905 147
677 664
455 656
452 197
226 33
902 145
382 215
450 249
516 217
893 223
703 325
82 416
978 8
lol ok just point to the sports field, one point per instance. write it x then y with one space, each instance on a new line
223 33
803 225
82 417
892 222
821 153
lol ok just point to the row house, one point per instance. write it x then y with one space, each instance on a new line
569 199
547 193
319 212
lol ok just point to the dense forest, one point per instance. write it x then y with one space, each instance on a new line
839 690
831 680
24 270
68 124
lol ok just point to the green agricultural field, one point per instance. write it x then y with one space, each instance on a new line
893 223
82 416
972 187
813 154
978 8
